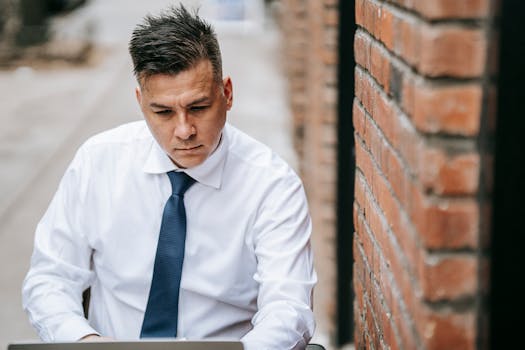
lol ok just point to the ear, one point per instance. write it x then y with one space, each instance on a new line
138 95
228 91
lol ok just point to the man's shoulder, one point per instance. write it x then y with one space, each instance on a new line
126 143
125 134
252 153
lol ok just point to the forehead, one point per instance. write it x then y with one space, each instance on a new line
199 77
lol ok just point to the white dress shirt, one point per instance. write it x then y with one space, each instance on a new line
248 270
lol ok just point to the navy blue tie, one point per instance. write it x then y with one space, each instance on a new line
160 318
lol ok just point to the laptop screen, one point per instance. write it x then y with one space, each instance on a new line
132 345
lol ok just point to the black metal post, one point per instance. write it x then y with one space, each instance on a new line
345 173
507 290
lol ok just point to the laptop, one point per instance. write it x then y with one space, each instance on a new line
163 344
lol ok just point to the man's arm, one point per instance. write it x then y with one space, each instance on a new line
285 270
60 264
95 338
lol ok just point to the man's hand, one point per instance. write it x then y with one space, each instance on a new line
94 338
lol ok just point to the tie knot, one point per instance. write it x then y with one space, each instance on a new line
180 182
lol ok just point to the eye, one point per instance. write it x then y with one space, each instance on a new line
198 108
163 112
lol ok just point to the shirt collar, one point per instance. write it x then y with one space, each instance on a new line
208 173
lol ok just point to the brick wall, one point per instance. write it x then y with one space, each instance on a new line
422 116
310 30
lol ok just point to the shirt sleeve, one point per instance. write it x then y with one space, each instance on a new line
285 271
60 265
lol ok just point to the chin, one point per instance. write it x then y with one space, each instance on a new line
188 163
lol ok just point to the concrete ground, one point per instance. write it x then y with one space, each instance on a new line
49 110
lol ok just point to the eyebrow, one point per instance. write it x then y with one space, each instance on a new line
199 100
192 103
158 105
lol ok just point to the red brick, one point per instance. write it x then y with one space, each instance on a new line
452 51
386 27
370 324
380 66
376 104
360 12
445 223
447 9
386 332
408 92
410 245
384 116
359 332
396 176
448 330
449 174
409 141
368 93
368 249
394 341
449 278
358 283
387 323
359 267
362 50
358 84
385 285
371 12
408 338
410 41
448 109
358 119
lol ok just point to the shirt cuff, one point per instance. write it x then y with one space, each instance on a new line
73 329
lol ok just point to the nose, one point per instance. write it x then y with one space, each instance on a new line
184 129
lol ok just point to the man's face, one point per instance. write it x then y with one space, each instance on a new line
186 112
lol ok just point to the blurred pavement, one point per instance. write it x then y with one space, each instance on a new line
48 111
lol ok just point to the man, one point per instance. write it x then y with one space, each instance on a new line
182 226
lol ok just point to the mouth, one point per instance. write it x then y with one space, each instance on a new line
187 149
